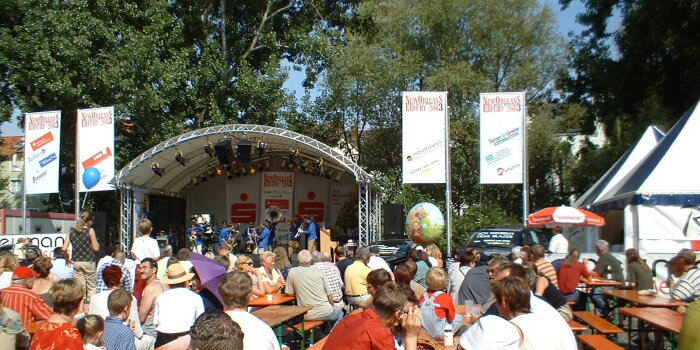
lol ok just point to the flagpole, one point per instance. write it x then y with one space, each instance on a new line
448 182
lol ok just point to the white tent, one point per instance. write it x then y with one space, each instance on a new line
660 195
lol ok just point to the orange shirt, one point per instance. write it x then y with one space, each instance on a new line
26 303
56 336
362 331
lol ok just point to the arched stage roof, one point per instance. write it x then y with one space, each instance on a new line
176 178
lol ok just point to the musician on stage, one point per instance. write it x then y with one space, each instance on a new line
194 234
311 230
223 235
294 235
264 238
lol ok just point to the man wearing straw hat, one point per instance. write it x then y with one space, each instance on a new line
177 308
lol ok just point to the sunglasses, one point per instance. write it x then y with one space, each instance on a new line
491 271
250 263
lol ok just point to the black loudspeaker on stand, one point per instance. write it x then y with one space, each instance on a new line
393 221
224 152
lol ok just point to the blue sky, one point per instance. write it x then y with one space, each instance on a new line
566 21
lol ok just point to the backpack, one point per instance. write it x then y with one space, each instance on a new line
434 326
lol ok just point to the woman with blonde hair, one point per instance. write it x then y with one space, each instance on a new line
245 264
271 278
282 262
8 263
434 255
57 332
83 243
638 272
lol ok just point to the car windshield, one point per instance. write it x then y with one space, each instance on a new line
485 239
392 248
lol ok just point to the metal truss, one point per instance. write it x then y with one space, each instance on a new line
375 221
126 218
247 131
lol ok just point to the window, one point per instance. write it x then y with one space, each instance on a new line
17 161
16 187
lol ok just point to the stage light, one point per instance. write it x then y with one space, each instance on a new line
329 174
283 164
294 156
252 170
209 149
180 158
337 177
219 171
260 148
157 169
318 167
267 164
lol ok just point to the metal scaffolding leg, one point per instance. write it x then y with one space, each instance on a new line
376 215
363 216
126 218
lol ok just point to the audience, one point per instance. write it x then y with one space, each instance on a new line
209 299
176 308
544 289
417 256
165 253
375 261
342 261
118 260
60 269
153 288
8 263
116 335
638 272
467 260
215 330
245 264
271 278
543 266
91 328
477 283
356 278
375 280
311 288
687 287
404 275
57 332
20 297
83 243
607 267
434 256
390 313
145 246
437 309
13 335
569 275
236 289
282 262
45 279
225 250
322 261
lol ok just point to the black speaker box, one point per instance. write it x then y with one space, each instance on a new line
243 149
393 221
224 152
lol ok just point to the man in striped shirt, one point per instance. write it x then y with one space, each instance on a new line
20 298
323 262
543 266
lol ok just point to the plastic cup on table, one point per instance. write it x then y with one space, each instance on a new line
269 298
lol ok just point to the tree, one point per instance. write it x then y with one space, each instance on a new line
460 47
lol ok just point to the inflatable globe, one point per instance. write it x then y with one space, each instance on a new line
425 223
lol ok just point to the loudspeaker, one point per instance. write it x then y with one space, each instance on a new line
224 151
243 149
393 221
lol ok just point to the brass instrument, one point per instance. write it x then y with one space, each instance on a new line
273 214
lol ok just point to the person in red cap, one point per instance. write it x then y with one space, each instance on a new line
20 297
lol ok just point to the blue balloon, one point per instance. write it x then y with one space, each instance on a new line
91 177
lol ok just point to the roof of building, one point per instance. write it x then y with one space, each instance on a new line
8 145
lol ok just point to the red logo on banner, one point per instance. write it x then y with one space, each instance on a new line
315 209
243 213
280 203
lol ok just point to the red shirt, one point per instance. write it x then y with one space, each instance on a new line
570 276
26 303
444 307
54 336
362 331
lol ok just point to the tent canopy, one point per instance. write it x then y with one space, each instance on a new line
176 177
666 176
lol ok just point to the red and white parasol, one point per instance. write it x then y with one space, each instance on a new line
564 216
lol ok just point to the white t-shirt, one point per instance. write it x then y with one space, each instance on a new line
257 335
98 306
5 279
544 328
376 262
433 261
176 310
145 247
270 279
559 244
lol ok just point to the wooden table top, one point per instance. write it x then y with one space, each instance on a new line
182 343
659 318
276 314
595 282
633 296
277 299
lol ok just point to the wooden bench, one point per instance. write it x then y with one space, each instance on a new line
599 325
319 344
598 342
307 330
577 327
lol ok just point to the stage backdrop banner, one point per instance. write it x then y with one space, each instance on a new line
42 150
243 199
501 137
311 196
277 189
424 116
95 143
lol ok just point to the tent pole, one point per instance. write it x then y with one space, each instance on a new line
526 208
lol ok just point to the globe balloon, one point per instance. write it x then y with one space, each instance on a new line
425 223
91 177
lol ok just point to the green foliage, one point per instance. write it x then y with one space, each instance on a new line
477 217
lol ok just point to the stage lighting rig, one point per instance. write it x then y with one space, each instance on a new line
209 149
294 156
219 171
180 158
260 147
212 174
157 169
318 167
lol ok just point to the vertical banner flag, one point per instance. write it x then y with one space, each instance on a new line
42 147
424 115
501 137
277 191
95 142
